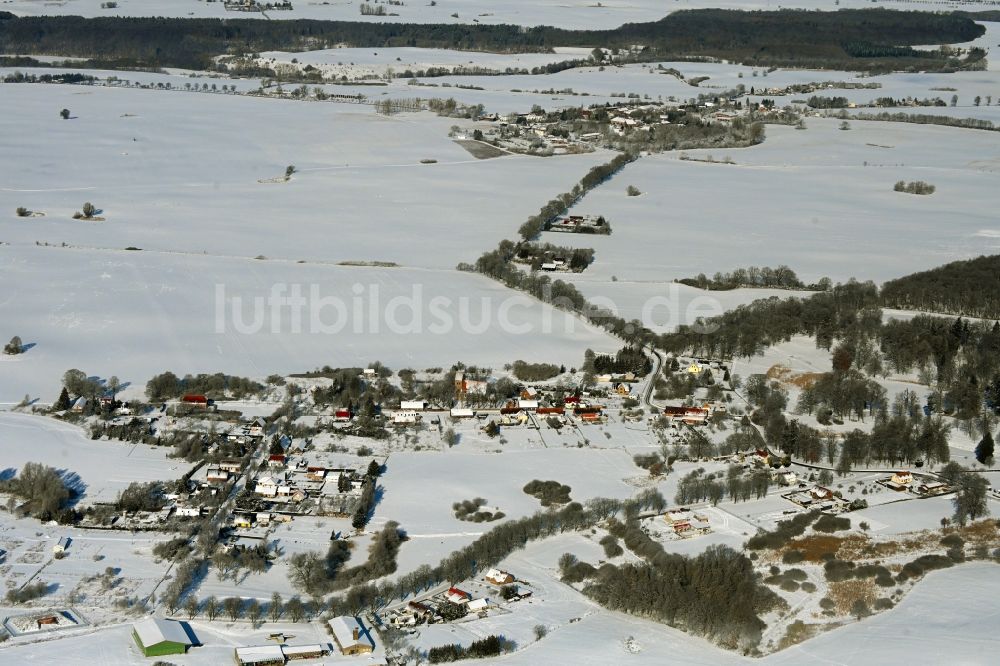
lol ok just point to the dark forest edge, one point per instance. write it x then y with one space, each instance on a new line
867 39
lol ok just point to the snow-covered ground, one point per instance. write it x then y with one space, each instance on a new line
137 314
819 200
182 172
98 471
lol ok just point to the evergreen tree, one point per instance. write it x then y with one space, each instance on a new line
984 450
62 403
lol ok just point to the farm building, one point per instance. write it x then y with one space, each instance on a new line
351 636
277 655
260 655
195 400
498 577
157 637
457 596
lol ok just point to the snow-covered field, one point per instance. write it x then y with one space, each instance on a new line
819 200
181 172
136 314
97 470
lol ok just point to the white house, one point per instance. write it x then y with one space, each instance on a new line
413 405
266 487
405 418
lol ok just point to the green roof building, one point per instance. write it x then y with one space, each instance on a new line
157 637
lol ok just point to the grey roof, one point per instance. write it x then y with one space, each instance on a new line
155 630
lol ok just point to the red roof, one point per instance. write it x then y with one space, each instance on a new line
572 399
455 590
195 398
277 457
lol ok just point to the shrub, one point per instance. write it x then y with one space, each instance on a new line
792 556
548 492
632 191
22 211
831 524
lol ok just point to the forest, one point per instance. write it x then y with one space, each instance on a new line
788 37
970 288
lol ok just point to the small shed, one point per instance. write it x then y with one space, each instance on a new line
61 546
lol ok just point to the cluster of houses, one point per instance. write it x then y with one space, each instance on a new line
819 497
427 611
281 489
905 481
575 224
686 523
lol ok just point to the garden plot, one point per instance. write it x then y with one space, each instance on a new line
98 471
180 172
137 314
694 217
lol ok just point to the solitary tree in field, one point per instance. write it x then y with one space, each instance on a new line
14 346
65 114
22 211
88 209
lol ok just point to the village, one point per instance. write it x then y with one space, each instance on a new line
300 477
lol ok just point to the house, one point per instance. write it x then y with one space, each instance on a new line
351 636
529 393
61 546
79 405
461 413
550 411
194 400
256 427
263 518
527 404
405 418
276 460
233 466
498 577
901 479
266 487
188 512
623 389
413 405
216 475
694 369
819 493
158 637
342 415
457 596
242 521
478 605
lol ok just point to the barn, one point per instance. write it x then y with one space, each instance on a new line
157 637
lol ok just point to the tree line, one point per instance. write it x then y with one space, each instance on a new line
781 277
763 37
